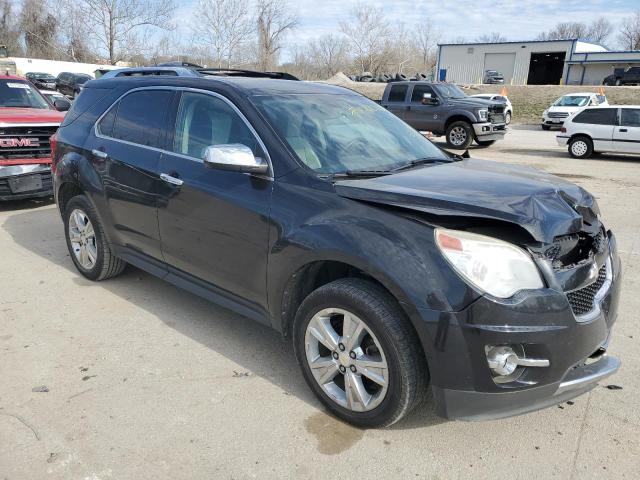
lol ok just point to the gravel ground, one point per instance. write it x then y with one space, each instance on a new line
145 380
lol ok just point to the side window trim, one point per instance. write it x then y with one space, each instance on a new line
172 116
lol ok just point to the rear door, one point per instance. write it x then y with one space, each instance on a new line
126 148
419 116
626 137
599 124
397 99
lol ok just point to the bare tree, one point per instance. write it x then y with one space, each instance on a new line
73 32
274 21
600 30
629 34
493 37
10 31
597 31
368 33
40 30
222 26
329 54
427 42
116 24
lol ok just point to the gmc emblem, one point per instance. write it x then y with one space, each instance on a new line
19 142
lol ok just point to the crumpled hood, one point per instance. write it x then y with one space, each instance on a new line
543 204
471 102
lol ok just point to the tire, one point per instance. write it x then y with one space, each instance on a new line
618 82
459 135
580 147
98 261
545 127
387 339
507 118
485 143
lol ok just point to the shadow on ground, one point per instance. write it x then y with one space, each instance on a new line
256 348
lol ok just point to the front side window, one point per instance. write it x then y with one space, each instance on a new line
449 90
335 133
597 116
19 94
204 120
630 117
140 118
398 93
419 91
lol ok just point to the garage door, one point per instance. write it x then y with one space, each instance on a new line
502 62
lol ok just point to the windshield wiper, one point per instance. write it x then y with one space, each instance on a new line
417 162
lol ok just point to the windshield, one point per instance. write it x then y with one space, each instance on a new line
448 90
44 76
16 93
81 80
340 133
574 101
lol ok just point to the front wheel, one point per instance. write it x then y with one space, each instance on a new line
580 147
359 354
459 135
507 118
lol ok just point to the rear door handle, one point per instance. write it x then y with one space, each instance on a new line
171 180
99 153
623 130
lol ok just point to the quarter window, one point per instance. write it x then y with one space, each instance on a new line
398 93
140 118
597 116
630 117
205 120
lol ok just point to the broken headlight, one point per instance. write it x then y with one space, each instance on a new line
498 268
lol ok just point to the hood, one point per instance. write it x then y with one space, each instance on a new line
29 115
472 102
544 205
564 109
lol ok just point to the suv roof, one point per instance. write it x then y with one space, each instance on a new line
193 71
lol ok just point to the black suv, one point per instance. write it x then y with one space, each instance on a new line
392 265
71 84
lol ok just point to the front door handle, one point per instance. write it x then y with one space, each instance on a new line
99 153
170 179
623 130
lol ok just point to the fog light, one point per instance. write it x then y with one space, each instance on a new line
502 360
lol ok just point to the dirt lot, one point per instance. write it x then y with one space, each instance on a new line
529 101
147 381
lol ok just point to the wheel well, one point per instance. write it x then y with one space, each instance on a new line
67 191
577 135
456 118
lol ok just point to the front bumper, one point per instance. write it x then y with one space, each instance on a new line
540 321
19 182
489 131
553 122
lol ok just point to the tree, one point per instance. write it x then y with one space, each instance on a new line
73 32
273 22
10 28
40 30
116 24
426 44
368 33
222 26
600 30
629 35
329 54
493 37
597 31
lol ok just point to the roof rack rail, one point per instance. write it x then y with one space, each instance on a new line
233 72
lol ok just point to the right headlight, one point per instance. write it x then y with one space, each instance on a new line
483 114
492 266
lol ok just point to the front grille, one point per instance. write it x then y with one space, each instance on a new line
558 115
47 185
582 300
496 118
25 142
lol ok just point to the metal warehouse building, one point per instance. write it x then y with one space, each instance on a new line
571 62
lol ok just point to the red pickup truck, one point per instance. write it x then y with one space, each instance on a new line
27 121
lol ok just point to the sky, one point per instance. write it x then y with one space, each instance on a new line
515 19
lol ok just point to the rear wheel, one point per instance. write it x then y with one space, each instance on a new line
87 244
359 354
459 135
580 147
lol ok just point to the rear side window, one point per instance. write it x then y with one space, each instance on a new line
141 117
597 116
630 117
419 91
398 93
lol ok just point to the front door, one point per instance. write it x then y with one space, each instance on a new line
626 136
126 148
423 117
214 223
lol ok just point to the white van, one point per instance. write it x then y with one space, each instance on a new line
568 105
614 129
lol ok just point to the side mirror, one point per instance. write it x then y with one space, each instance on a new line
235 157
62 104
428 99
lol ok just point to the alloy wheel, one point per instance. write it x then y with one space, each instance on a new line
83 239
579 148
346 359
457 136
